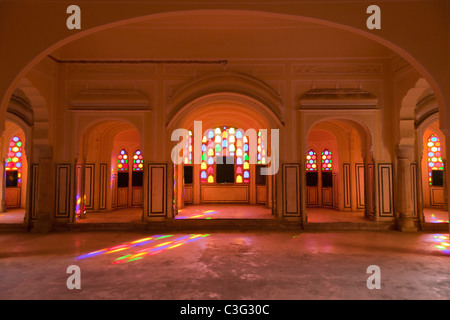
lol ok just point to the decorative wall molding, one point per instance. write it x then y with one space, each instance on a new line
34 189
180 70
21 108
225 194
338 98
385 190
63 187
425 107
157 189
110 69
291 189
103 185
337 69
269 70
89 170
109 99
347 186
360 185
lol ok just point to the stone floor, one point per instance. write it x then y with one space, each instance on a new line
227 211
225 265
435 215
128 215
222 211
331 215
12 216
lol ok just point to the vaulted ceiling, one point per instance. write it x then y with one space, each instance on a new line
222 35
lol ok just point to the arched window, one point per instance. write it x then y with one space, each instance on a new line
122 161
207 166
435 164
311 161
138 161
14 163
327 164
232 147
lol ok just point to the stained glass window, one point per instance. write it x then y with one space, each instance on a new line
261 150
225 142
327 164
434 156
14 162
311 161
187 150
138 161
122 161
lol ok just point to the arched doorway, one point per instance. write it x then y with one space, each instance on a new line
14 187
339 173
129 169
433 182
109 179
225 180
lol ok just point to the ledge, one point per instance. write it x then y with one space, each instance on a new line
338 98
109 99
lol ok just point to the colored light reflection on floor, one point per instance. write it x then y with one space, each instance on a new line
204 215
155 249
159 248
124 246
442 242
435 220
6 216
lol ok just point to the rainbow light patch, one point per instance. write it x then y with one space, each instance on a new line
442 242
156 248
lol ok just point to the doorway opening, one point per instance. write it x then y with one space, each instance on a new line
15 174
111 176
228 183
339 173
434 201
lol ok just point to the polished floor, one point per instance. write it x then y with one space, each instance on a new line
125 215
225 265
331 215
12 216
225 211
436 215
134 215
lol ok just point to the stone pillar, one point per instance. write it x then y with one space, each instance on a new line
45 193
3 185
404 205
445 185
447 172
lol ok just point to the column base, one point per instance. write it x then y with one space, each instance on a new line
43 224
407 225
